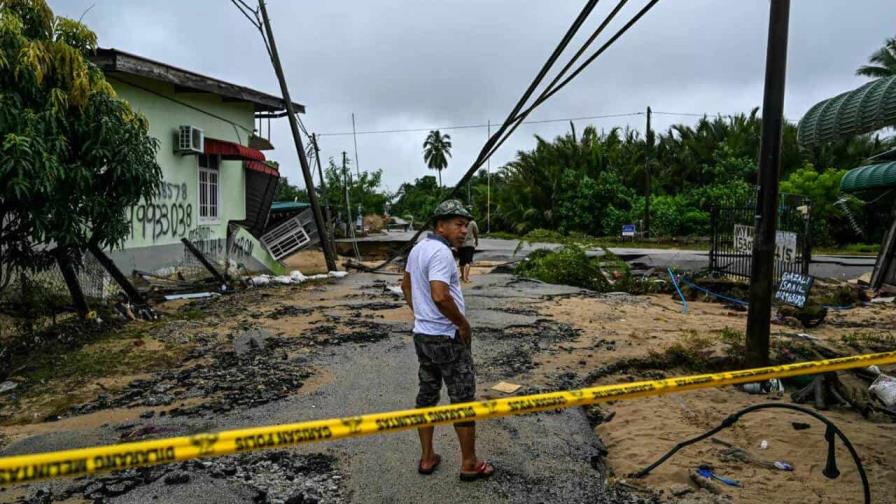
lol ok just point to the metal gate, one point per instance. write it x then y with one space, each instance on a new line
732 227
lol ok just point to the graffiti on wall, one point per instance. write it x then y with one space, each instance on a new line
202 239
169 216
242 247
158 220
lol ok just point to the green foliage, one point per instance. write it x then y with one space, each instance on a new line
289 192
735 340
73 157
693 352
570 265
418 199
823 189
363 191
883 61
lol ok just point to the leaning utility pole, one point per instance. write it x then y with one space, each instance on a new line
488 200
762 268
328 216
648 140
322 234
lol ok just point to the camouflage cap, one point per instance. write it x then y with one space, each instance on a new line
451 208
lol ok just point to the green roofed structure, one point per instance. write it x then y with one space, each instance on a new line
866 109
862 110
871 177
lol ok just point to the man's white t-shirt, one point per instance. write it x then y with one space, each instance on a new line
431 260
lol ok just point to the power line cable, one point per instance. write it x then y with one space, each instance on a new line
516 116
552 90
474 126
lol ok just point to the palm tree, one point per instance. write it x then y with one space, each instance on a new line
885 59
436 151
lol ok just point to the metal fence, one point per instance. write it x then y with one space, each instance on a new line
732 231
17 285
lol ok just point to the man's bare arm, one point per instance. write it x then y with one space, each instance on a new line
406 289
441 296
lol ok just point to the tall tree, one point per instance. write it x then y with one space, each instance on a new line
436 151
884 61
73 157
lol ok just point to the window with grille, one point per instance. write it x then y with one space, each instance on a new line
208 188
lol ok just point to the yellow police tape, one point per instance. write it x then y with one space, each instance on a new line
84 461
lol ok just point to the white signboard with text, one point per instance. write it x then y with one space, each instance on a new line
785 243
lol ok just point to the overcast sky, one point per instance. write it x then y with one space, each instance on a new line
422 64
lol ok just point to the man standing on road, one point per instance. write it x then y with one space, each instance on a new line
442 334
465 252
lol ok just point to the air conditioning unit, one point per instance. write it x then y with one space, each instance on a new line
190 140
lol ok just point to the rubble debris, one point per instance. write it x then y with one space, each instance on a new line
7 386
505 387
285 311
884 387
275 477
733 453
221 383
773 386
250 340
190 295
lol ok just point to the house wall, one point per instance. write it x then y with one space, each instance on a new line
157 226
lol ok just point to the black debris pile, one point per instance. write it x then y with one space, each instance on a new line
508 351
256 373
288 311
273 477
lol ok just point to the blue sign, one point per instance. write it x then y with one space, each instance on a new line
628 230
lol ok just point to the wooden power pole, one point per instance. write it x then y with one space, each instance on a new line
762 267
648 139
325 242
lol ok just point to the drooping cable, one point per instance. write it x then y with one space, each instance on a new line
518 115
552 89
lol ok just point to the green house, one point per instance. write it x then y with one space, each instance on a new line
217 188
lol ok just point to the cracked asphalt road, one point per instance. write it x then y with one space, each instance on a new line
543 457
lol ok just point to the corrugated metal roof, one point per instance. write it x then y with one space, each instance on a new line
876 176
863 110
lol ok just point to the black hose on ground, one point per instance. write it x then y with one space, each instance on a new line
830 470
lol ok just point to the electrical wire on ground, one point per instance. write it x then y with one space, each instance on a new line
830 470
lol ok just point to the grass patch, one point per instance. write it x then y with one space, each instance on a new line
860 249
692 352
735 340
190 313
121 352
876 341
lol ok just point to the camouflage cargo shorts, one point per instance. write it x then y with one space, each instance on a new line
447 360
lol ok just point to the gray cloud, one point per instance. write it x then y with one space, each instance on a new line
411 64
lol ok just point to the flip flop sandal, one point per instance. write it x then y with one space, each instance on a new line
432 468
480 472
